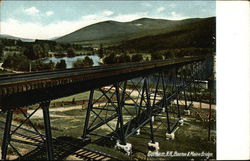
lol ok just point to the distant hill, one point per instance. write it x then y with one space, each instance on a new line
200 34
113 32
16 38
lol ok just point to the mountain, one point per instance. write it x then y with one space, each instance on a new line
113 32
200 34
5 36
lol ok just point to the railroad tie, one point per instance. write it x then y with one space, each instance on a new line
92 155
78 151
96 155
107 158
82 152
88 153
100 157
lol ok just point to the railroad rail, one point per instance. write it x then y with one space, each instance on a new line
18 90
156 85
29 137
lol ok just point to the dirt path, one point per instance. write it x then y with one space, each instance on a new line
196 104
39 113
9 70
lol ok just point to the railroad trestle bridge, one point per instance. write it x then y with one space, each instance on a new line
142 91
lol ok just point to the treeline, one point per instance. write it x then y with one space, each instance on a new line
199 35
41 48
123 58
20 62
1 52
183 52
52 45
113 58
26 56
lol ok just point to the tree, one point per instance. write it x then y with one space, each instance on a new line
71 52
124 58
86 62
46 49
29 53
169 54
23 65
51 65
137 58
156 56
100 52
39 65
110 59
7 62
61 64
17 62
58 48
1 52
38 51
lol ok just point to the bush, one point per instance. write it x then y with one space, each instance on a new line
61 64
36 51
71 53
17 62
101 52
111 59
156 56
1 52
39 65
124 58
137 58
86 62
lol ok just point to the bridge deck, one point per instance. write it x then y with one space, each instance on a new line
18 90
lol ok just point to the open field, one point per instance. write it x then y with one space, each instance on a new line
69 120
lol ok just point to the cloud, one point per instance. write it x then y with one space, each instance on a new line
37 30
49 13
89 17
31 11
160 9
130 17
108 13
176 16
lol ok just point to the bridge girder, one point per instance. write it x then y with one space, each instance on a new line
156 91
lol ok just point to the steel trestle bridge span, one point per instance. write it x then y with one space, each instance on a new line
143 91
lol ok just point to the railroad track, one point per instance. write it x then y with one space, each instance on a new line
40 74
29 137
19 90
10 79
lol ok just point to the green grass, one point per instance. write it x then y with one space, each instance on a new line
190 137
80 96
187 138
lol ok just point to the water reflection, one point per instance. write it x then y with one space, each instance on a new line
70 60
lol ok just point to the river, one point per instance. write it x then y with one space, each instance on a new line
70 60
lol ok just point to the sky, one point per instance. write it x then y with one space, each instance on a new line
48 19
